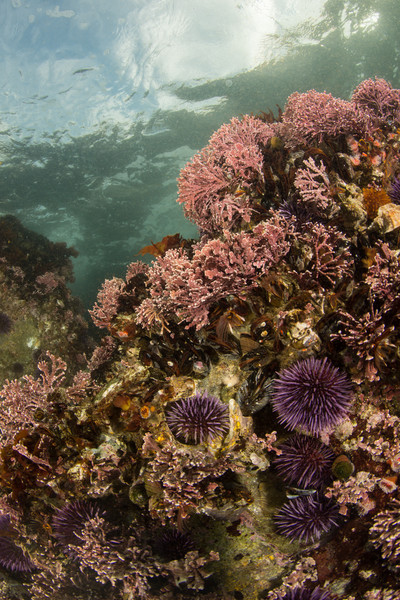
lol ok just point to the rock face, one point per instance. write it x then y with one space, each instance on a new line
43 315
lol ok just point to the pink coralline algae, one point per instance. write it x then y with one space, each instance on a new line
385 533
313 185
188 287
327 258
311 116
21 400
185 478
217 185
106 306
379 100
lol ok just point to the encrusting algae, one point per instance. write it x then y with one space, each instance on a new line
236 433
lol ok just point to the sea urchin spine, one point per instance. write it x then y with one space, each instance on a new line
311 395
198 419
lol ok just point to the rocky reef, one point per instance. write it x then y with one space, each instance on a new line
236 433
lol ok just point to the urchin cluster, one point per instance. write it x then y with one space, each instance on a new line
69 521
304 461
306 518
198 418
385 533
311 395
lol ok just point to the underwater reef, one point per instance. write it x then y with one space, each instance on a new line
38 313
236 433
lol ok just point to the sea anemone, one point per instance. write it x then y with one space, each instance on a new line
306 517
69 521
12 557
394 191
302 593
304 461
5 323
311 394
198 418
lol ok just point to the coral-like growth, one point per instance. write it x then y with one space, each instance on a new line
216 186
383 276
385 533
182 480
311 394
198 419
313 185
379 100
310 117
187 287
304 462
21 399
106 306
369 339
306 518
327 259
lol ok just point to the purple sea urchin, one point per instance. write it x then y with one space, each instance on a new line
311 394
198 418
69 521
306 517
394 191
302 593
12 557
304 461
174 544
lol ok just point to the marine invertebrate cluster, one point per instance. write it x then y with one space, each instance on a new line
286 311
